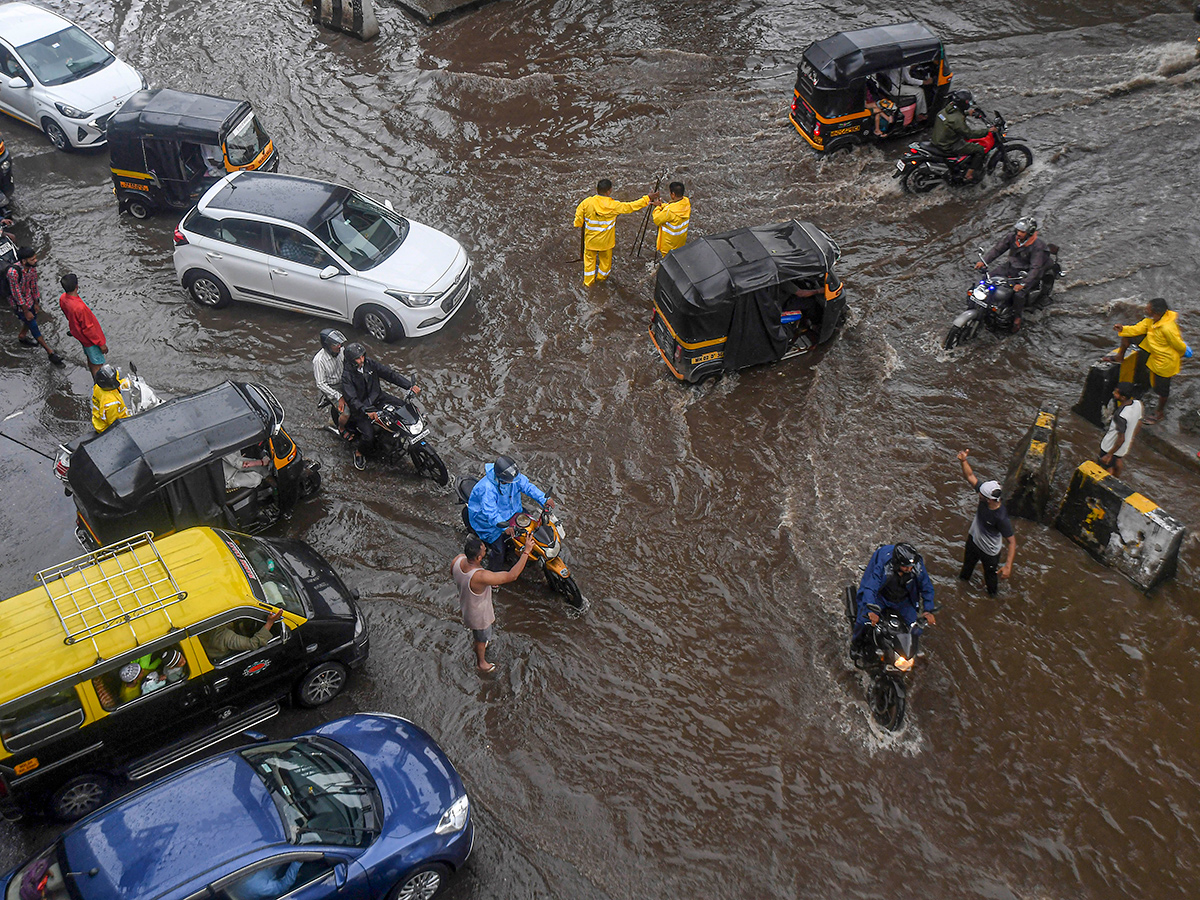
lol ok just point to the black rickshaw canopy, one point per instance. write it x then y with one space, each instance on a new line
847 55
135 457
177 115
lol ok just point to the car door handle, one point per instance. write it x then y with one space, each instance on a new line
214 256
278 272
220 684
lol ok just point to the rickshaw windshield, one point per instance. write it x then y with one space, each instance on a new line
63 57
245 142
270 576
363 233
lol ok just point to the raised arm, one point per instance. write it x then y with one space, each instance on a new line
966 468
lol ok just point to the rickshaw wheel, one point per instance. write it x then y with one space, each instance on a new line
207 290
57 136
310 483
138 209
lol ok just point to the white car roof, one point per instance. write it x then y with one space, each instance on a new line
21 23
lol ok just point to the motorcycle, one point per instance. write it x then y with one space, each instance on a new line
923 167
547 534
989 302
887 656
400 431
138 397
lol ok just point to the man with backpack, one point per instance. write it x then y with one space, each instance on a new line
26 301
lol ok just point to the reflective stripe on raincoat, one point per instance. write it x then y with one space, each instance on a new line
597 215
672 220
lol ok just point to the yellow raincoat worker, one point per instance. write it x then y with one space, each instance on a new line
597 215
1164 348
672 220
107 403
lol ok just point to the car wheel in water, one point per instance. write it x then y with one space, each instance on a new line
57 136
321 684
423 883
429 464
379 323
208 290
80 796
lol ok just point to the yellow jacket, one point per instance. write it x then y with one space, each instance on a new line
1162 341
598 216
672 221
107 407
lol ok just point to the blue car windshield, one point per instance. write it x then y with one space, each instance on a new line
322 796
64 57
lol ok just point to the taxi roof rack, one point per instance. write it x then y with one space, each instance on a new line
125 589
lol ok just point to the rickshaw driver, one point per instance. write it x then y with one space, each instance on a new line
495 501
952 134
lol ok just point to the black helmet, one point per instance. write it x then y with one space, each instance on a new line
331 337
106 377
904 555
506 470
962 99
354 351
1027 224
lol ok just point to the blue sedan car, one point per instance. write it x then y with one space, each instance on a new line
362 808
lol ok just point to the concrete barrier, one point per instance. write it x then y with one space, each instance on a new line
356 17
1031 471
1120 527
1102 379
431 11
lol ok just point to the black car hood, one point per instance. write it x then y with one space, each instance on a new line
323 588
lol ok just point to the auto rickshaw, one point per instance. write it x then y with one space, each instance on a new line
744 298
169 468
168 147
844 78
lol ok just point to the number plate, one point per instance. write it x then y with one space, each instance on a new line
899 165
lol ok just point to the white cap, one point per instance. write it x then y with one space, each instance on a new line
990 490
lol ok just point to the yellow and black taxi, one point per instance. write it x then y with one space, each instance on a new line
168 147
127 659
744 298
845 78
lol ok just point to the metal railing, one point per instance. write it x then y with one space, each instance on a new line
99 591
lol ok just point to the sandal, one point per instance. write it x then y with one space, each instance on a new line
487 669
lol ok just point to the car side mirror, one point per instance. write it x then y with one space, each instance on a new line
330 272
340 874
388 204
110 46
257 736
18 84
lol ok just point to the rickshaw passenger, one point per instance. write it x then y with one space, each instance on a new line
914 76
239 469
880 105
214 160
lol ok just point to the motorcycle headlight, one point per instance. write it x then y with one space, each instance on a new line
980 294
414 300
455 818
903 663
71 112
416 428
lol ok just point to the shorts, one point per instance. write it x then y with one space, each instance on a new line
1161 385
30 324
94 356
482 635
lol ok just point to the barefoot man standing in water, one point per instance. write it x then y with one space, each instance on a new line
475 593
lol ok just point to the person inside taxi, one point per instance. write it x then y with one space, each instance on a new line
226 640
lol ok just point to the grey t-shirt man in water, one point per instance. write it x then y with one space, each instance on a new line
990 530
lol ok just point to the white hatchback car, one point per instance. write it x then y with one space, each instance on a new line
59 79
322 249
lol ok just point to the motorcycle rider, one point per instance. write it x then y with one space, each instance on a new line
952 133
1027 253
495 501
107 403
895 579
328 366
360 387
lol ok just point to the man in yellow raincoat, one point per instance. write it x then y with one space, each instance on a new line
597 216
1164 348
672 220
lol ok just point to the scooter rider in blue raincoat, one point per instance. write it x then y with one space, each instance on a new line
895 579
494 501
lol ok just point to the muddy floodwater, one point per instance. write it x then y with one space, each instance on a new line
699 731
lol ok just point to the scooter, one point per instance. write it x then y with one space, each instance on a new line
401 431
923 167
887 657
547 534
138 397
989 302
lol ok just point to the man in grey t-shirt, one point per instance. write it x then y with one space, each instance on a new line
990 531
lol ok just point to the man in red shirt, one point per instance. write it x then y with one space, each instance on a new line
82 324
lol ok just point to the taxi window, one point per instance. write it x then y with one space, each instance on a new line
270 578
230 640
31 723
133 679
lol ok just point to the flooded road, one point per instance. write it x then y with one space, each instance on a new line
699 731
